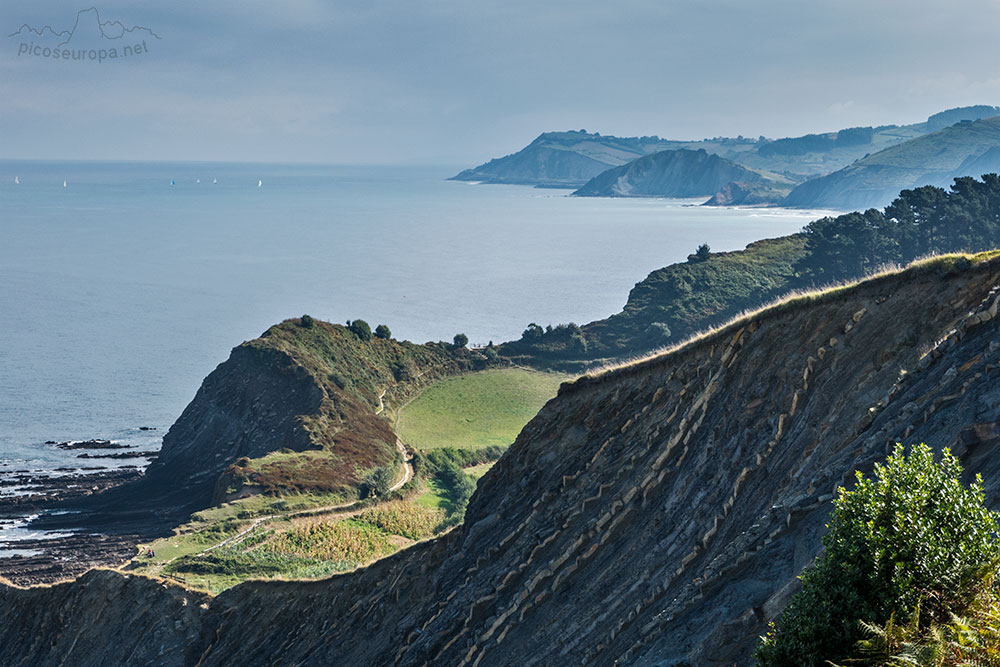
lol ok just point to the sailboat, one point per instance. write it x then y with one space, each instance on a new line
172 182
64 183
17 181
214 181
260 183
198 181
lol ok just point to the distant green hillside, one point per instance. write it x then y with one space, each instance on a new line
678 173
570 159
679 300
965 149
684 299
565 159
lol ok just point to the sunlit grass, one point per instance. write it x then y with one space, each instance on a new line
476 410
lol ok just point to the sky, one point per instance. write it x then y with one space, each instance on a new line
457 82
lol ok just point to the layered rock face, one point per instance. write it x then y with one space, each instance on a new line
654 515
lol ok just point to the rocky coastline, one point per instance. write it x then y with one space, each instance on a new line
28 559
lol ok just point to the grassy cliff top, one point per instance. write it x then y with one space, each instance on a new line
340 361
940 264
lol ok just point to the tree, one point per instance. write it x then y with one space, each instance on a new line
382 331
701 254
911 537
461 340
361 329
492 356
532 334
305 321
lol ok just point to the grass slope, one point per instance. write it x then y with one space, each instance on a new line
476 410
297 537
692 296
355 378
932 159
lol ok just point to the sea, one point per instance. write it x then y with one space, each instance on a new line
122 285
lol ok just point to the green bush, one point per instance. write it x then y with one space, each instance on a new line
912 531
361 329
460 340
306 321
492 356
459 485
382 331
446 464
377 482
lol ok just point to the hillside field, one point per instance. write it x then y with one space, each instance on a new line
476 410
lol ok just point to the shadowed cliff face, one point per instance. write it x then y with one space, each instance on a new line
296 387
657 514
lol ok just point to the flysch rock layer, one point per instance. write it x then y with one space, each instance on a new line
653 515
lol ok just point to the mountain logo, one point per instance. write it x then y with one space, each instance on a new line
90 38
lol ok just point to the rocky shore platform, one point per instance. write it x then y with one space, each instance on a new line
29 557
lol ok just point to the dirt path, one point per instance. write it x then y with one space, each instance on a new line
407 476
312 511
407 466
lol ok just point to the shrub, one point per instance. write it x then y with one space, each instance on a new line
382 331
532 333
701 254
306 321
492 356
461 340
361 329
403 370
377 482
330 540
402 518
658 332
912 529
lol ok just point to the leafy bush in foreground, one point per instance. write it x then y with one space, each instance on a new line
964 641
911 532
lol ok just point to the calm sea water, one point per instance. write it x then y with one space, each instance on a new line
119 292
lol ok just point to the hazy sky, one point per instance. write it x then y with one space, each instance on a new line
459 81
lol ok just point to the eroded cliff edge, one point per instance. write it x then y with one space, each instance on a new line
652 515
303 385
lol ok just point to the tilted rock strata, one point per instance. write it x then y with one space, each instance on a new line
656 514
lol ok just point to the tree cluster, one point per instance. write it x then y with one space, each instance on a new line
923 221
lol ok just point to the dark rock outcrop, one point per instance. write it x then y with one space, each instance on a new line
739 193
651 515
